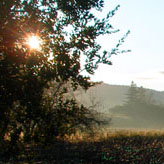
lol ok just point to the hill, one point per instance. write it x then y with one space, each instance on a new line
109 96
110 101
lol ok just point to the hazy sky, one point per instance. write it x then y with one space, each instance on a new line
145 63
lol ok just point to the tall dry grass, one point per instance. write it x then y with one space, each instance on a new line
106 134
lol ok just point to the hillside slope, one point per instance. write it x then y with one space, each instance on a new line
113 95
107 99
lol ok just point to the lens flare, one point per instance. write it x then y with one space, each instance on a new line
34 42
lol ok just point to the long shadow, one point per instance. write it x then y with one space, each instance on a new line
122 149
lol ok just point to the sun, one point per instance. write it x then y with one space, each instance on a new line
34 42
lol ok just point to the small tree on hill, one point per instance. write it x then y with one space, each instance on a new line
138 95
132 95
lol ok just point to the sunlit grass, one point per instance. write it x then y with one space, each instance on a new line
120 146
106 146
113 133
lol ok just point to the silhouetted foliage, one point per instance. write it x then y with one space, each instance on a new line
68 30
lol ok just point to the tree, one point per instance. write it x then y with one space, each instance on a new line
132 95
138 95
68 30
142 96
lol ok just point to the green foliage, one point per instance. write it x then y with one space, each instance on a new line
68 30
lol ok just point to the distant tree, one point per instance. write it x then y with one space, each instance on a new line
132 95
68 30
142 96
138 95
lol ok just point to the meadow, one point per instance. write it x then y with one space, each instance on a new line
113 147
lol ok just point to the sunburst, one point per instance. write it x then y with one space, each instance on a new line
34 42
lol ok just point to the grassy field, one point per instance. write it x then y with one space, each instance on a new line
115 147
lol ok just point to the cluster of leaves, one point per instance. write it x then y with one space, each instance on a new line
68 30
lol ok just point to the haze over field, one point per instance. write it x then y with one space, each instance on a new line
111 101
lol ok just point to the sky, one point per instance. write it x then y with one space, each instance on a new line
145 63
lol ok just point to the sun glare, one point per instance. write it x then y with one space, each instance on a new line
34 42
